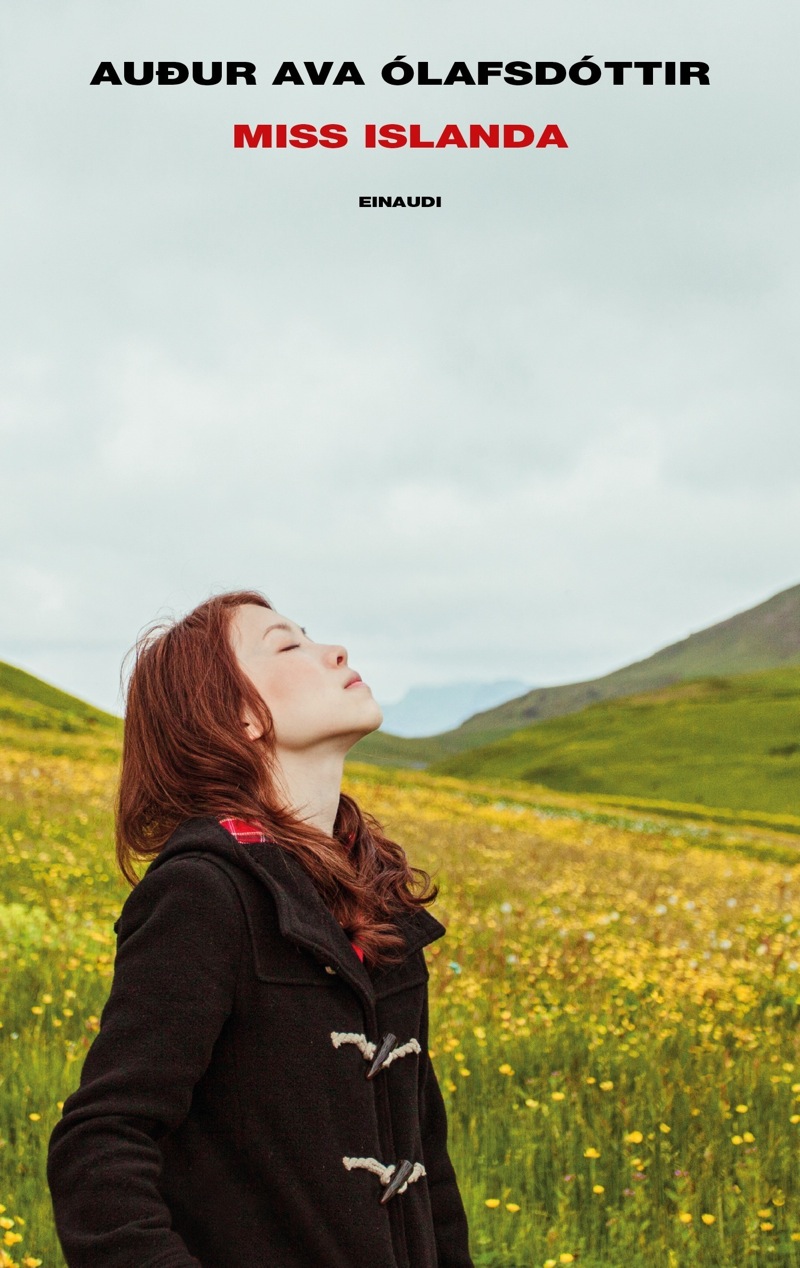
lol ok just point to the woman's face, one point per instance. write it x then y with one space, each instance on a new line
310 690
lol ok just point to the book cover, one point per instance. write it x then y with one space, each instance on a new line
466 334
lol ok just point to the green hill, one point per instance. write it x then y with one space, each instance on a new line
384 749
731 741
36 717
764 637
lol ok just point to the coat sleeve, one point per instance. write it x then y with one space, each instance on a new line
179 941
449 1216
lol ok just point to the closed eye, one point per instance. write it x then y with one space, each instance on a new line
290 648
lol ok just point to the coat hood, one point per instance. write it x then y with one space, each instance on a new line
303 916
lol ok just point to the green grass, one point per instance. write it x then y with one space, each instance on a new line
38 718
26 690
615 1009
729 742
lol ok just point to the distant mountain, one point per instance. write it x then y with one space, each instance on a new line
429 710
731 741
764 637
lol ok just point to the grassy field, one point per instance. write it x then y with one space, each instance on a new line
614 1009
731 742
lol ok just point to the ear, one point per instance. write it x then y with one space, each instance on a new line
252 727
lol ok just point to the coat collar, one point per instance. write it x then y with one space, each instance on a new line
303 917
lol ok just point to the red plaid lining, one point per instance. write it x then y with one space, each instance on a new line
251 834
245 833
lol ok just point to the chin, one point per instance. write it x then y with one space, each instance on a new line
373 717
377 719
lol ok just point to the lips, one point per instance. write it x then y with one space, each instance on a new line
355 678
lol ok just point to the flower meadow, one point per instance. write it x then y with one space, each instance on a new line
614 1011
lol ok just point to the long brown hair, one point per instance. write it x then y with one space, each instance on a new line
185 753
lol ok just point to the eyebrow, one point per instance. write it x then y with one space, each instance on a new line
282 626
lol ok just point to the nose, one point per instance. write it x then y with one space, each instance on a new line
338 654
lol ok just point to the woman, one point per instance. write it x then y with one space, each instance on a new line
260 1092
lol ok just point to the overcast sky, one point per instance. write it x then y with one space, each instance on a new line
538 432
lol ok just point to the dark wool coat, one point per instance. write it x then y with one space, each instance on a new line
224 1117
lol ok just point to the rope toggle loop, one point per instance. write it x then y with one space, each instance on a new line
396 1177
380 1055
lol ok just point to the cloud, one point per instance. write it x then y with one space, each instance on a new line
537 433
